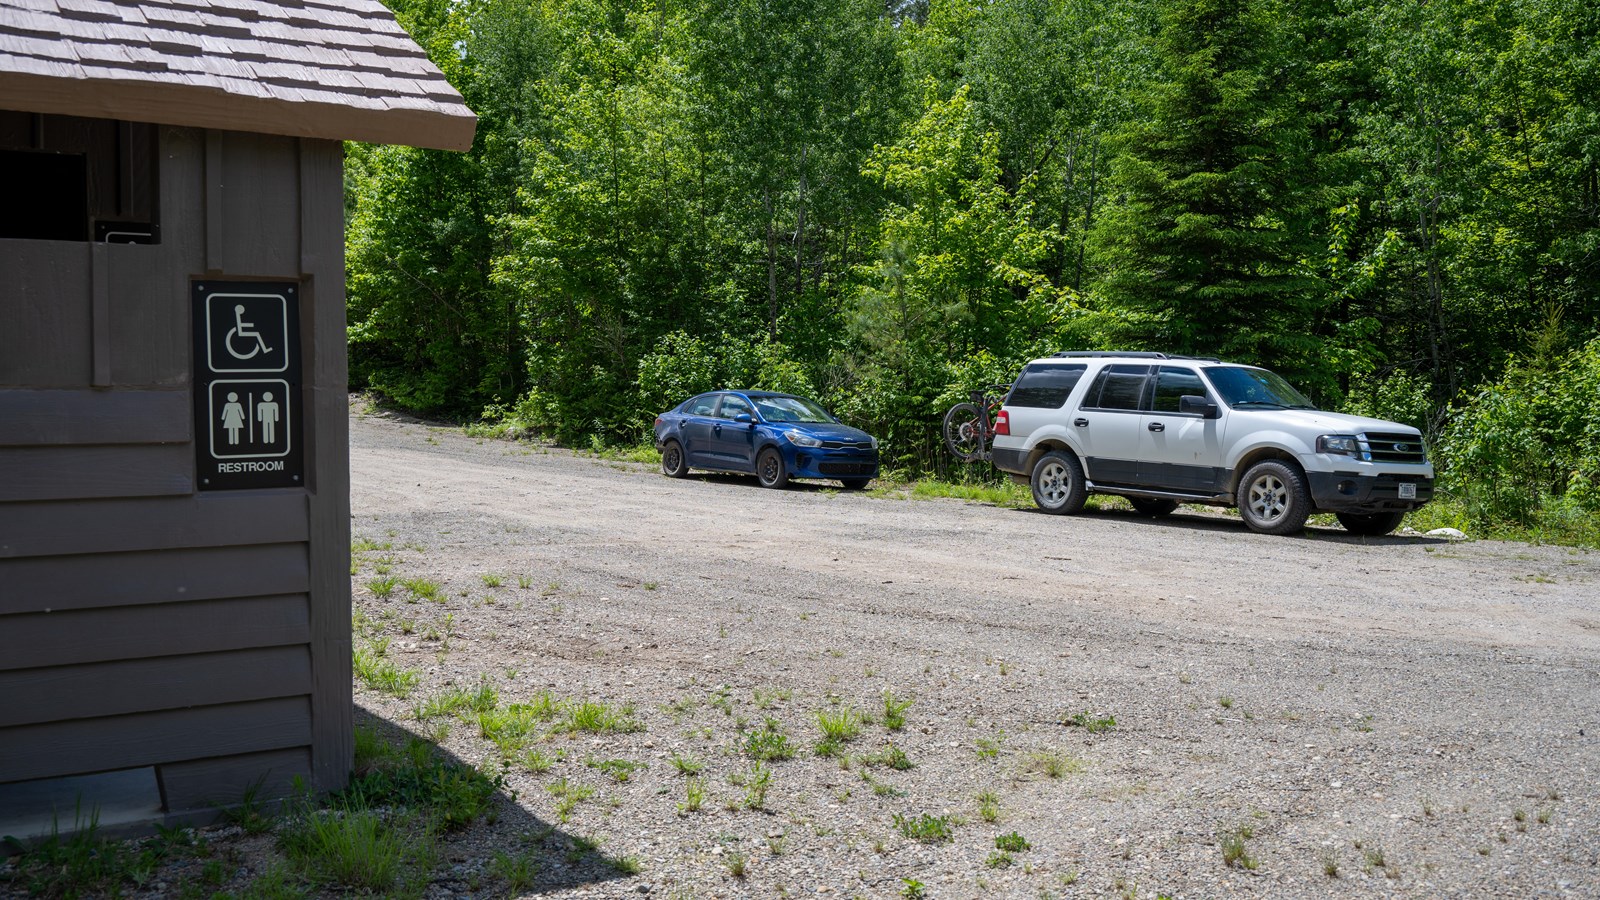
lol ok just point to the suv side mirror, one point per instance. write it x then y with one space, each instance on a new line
744 418
1193 405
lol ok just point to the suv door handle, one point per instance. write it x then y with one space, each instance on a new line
1081 423
1156 426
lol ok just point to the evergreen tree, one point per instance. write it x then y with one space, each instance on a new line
1203 250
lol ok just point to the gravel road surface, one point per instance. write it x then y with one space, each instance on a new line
1294 717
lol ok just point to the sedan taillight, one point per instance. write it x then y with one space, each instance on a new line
1002 422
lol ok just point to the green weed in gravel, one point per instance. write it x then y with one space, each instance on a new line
380 674
894 710
595 717
568 796
926 828
620 770
1052 763
1091 723
839 727
694 795
1234 852
518 872
425 588
83 863
1012 842
768 742
890 756
989 806
357 850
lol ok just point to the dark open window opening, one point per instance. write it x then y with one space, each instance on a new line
67 178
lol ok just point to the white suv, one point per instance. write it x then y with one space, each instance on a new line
1162 429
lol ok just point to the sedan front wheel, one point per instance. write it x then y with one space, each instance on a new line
770 470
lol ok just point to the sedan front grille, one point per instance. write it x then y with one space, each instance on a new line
1394 447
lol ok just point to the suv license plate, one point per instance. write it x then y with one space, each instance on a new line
1408 492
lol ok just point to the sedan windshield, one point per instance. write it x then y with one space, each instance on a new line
1246 387
791 409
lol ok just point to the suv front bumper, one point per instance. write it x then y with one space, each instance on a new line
1356 493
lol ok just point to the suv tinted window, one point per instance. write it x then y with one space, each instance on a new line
1172 383
1045 386
1117 387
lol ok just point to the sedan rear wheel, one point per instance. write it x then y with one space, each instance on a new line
673 464
770 470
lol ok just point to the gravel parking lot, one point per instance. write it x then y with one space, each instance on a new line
1311 716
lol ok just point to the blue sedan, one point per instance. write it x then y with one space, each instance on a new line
774 436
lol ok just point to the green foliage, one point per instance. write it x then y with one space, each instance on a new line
886 210
1527 446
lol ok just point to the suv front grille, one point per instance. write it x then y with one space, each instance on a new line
1393 448
847 445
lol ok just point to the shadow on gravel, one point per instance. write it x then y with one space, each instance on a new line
508 842
750 482
1230 525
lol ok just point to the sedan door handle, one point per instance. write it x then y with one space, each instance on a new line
1081 423
1156 426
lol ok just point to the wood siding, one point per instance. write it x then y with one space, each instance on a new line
143 623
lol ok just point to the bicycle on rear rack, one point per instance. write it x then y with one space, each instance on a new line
969 426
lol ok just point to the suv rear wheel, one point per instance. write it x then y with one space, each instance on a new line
1057 483
1273 498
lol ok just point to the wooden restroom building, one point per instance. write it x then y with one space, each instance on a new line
174 464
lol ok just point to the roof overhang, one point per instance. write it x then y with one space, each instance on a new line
333 69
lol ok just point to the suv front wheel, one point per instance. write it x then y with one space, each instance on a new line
1057 483
1273 498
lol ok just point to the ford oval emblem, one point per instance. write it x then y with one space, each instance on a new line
1402 447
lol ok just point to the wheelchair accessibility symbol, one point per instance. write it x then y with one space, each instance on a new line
247 332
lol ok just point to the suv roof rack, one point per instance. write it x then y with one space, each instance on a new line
1130 354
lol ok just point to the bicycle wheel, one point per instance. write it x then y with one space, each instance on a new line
964 432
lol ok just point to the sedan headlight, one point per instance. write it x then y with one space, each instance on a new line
874 442
1342 444
800 439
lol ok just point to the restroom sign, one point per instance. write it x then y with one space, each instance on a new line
247 385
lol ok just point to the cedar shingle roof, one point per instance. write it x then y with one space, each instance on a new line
335 69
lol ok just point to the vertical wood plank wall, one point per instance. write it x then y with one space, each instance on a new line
143 623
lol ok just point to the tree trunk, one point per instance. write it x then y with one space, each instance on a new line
772 268
800 230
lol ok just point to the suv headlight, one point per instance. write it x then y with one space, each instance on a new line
802 440
1341 444
874 442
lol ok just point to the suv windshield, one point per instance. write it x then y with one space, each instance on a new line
1241 386
791 409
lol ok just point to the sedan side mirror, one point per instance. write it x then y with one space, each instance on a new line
744 418
1193 405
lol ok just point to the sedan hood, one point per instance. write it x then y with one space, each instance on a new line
829 431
